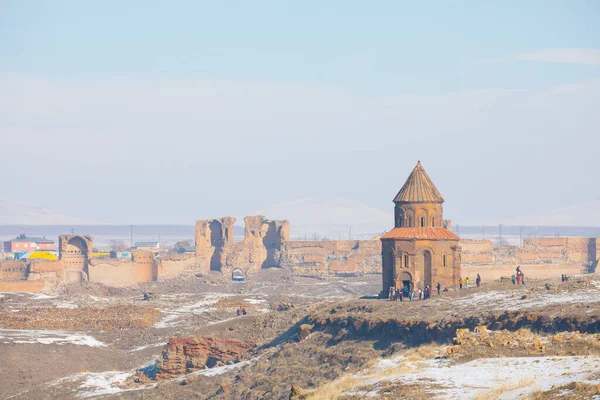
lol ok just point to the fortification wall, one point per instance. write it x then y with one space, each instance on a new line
22 286
171 267
332 257
13 270
539 257
142 269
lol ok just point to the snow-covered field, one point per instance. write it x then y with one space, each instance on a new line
509 300
48 337
502 378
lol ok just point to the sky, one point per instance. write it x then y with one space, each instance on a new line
167 112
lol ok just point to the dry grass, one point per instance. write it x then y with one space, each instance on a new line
572 391
408 364
507 387
108 318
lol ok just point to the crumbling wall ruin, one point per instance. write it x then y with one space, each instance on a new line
261 248
541 257
332 257
75 252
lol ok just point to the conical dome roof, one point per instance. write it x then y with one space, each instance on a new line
418 188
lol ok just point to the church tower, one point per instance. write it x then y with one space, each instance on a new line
419 250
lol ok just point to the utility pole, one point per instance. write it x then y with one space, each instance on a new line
499 235
521 229
130 236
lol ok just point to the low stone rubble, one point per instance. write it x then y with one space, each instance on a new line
482 342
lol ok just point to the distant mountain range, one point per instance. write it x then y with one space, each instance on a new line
333 218
17 213
587 214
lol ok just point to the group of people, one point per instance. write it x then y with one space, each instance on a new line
564 278
466 282
396 294
241 311
519 277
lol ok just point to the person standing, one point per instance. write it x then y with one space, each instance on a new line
420 293
513 278
460 283
523 279
467 282
478 280
439 288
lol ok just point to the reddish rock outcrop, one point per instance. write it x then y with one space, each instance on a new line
193 353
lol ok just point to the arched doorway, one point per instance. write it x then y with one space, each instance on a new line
404 280
427 267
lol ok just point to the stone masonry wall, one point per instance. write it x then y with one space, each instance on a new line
332 257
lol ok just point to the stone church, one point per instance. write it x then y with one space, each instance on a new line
420 250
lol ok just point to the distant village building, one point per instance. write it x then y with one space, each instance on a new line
150 246
22 244
419 251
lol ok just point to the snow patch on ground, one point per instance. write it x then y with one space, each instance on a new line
148 346
516 376
102 383
502 300
66 305
41 296
255 301
176 316
48 337
220 370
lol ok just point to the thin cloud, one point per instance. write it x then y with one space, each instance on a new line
564 56
558 56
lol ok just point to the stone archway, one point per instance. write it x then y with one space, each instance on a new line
75 255
427 273
404 280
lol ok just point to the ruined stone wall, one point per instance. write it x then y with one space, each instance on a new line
143 268
22 286
171 267
541 257
332 257
261 248
13 270
75 252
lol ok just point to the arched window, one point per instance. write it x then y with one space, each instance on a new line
422 222
444 260
406 260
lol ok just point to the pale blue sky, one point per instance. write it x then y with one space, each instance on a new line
268 102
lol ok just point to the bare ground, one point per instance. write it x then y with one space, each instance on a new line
100 335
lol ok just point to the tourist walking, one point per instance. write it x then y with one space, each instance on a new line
460 283
467 282
523 279
439 288
420 293
400 294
